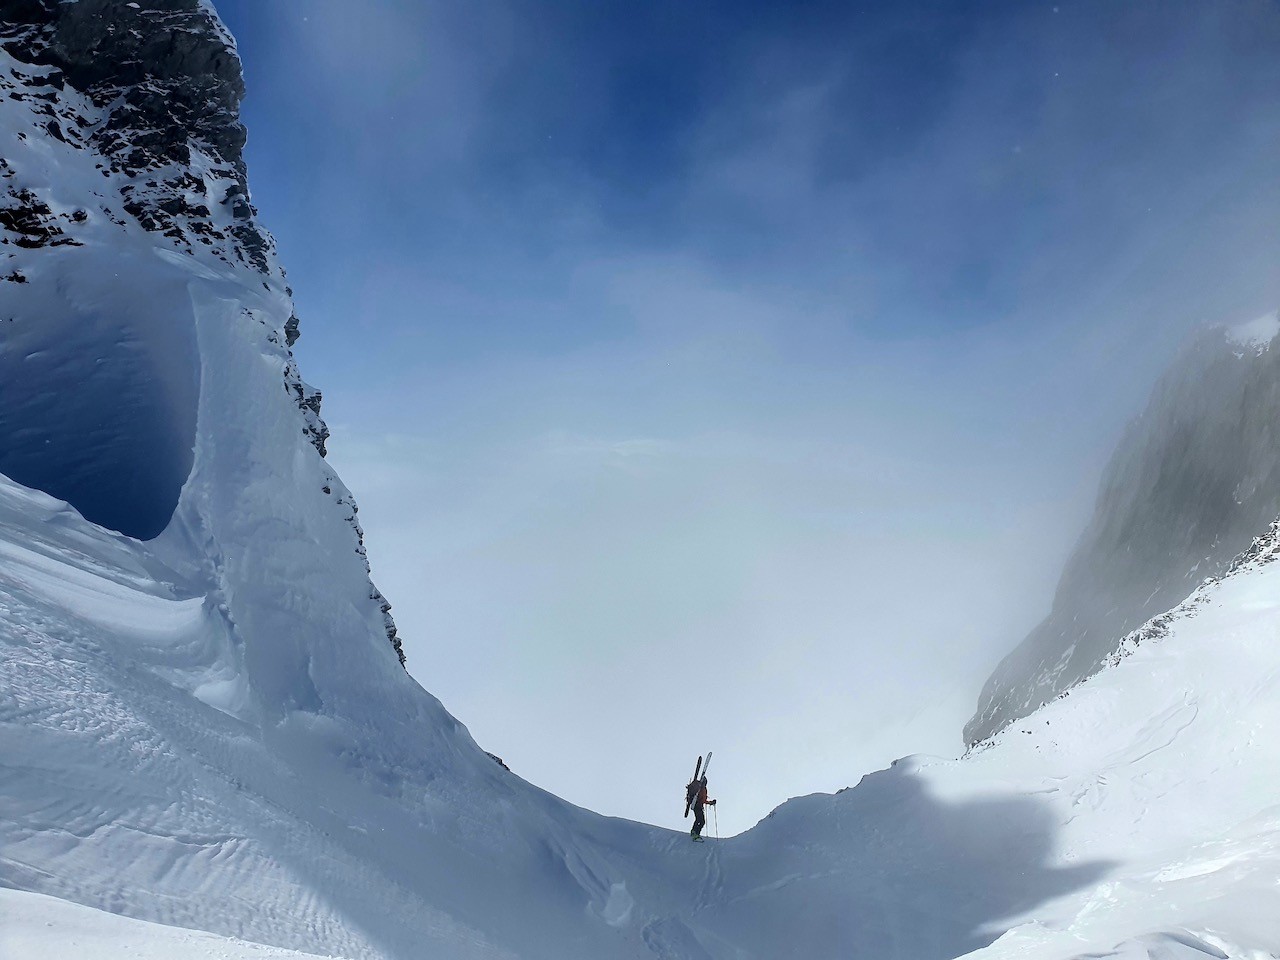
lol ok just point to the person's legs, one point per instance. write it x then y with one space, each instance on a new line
699 820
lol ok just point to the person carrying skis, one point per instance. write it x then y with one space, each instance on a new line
698 789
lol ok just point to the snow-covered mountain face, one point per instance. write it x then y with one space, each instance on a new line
1194 479
125 235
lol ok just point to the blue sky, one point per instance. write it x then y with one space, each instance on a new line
751 362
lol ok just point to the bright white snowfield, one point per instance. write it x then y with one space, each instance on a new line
209 749
34 921
1136 817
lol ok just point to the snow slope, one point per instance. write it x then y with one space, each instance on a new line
32 925
1135 817
1163 765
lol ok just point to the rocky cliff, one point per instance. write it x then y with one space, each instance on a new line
122 144
1195 478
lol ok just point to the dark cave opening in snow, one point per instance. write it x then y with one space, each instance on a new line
100 411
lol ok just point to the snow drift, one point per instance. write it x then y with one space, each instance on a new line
203 726
98 403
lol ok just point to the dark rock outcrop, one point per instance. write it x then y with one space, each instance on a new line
165 78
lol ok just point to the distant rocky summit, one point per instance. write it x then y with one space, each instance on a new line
1195 478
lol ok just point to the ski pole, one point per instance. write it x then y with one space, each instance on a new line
716 813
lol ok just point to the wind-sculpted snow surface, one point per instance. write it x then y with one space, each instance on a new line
1194 479
32 921
144 774
141 774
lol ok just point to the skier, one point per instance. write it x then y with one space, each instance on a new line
698 790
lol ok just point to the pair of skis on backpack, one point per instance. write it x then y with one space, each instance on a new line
695 786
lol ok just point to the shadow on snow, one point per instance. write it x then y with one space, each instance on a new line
883 870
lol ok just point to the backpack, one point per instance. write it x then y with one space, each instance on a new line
694 791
